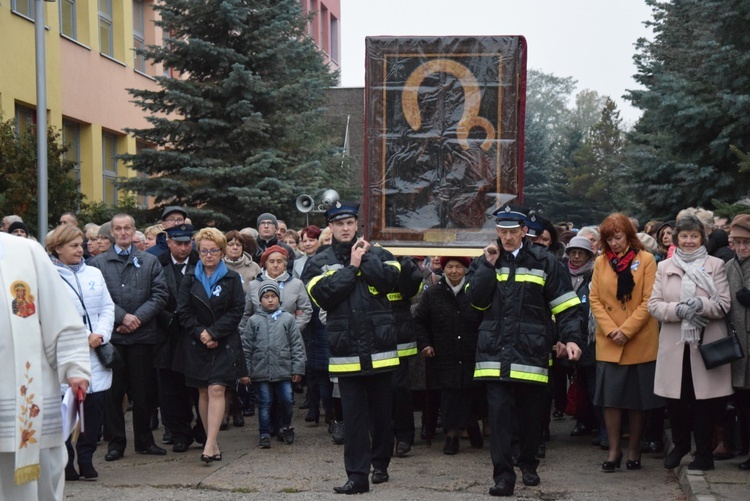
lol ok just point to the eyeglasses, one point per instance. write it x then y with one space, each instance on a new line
266 223
205 252
741 243
175 220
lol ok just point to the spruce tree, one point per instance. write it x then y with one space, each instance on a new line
237 129
594 170
696 78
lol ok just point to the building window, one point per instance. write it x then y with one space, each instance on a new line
143 199
325 30
68 18
315 22
109 168
139 30
71 136
334 39
23 7
167 71
106 29
25 119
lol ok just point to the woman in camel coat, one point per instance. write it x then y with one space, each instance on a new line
690 291
626 336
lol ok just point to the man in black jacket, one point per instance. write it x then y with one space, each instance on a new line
520 287
135 281
171 216
267 237
176 399
350 280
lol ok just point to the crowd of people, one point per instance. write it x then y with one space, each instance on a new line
602 323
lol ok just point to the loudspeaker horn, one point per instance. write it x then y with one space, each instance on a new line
329 198
305 203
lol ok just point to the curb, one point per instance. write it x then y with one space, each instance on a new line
694 484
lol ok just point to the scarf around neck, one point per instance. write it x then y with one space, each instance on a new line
578 273
621 265
456 288
209 282
695 276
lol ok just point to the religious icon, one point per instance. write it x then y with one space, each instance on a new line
23 302
444 136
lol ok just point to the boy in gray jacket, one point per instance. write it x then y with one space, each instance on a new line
275 357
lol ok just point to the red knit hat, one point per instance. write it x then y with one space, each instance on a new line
466 261
271 250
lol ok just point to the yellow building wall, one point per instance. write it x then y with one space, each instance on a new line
84 87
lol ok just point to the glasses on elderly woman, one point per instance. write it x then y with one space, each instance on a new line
205 252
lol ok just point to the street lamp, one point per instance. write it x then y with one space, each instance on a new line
41 118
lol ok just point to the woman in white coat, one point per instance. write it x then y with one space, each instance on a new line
690 291
88 290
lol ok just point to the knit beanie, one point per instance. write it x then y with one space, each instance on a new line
105 231
267 216
18 225
464 260
269 286
271 250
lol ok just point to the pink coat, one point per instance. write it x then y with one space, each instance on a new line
664 298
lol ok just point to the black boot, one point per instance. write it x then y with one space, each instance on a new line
475 436
70 472
451 446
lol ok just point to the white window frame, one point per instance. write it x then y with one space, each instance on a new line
29 14
73 22
106 18
107 173
74 145
139 34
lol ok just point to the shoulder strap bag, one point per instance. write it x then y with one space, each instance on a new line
724 350
106 352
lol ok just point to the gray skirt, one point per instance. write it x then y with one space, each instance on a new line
626 386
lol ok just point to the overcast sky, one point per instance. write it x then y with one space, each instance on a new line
589 40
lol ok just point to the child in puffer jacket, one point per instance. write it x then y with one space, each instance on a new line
275 357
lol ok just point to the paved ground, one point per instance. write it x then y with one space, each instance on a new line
312 466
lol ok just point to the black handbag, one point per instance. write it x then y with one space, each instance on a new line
109 356
724 350
106 353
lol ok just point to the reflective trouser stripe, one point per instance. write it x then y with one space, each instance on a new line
407 349
529 373
385 359
487 369
344 364
394 296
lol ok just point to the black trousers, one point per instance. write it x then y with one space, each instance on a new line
319 388
688 414
93 419
137 377
368 439
403 405
176 404
528 401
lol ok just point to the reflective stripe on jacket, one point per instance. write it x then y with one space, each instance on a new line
519 300
359 320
